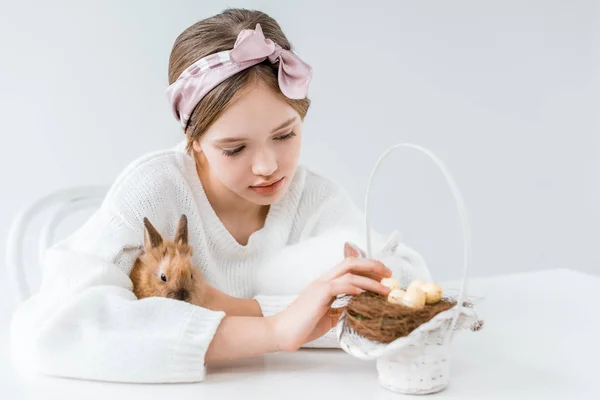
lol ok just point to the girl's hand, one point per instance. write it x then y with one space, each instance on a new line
310 316
232 306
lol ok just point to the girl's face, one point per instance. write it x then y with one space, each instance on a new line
255 142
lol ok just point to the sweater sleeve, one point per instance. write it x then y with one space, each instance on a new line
85 322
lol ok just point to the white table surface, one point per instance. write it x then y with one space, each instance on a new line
538 342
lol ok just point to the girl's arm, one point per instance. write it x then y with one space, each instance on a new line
232 306
241 337
85 322
305 319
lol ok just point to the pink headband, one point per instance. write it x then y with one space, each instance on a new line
250 48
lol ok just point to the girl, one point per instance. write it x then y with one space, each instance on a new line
239 93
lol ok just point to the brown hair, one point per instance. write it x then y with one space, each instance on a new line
219 33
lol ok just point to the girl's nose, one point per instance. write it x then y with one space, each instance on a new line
265 163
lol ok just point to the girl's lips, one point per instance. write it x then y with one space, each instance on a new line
268 189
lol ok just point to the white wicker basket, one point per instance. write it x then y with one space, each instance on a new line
414 364
417 363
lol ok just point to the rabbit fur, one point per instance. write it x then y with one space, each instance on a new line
165 268
289 270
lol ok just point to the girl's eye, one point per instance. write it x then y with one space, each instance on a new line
236 151
286 137
163 277
231 153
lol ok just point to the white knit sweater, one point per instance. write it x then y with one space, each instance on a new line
86 322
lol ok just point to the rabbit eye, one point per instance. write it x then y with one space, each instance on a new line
192 276
163 277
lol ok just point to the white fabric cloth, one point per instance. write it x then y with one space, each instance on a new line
85 322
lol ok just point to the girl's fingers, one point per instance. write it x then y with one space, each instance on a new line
365 283
338 286
375 277
360 266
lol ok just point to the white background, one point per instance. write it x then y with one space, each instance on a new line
505 92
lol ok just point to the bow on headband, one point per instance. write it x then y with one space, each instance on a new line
250 48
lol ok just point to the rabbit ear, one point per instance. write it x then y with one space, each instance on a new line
352 250
151 236
392 243
181 235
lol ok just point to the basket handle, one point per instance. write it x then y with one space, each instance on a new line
461 209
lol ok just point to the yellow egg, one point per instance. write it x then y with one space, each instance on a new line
433 292
396 296
417 283
391 283
414 298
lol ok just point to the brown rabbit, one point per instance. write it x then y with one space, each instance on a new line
165 269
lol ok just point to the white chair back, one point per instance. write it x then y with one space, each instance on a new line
63 203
